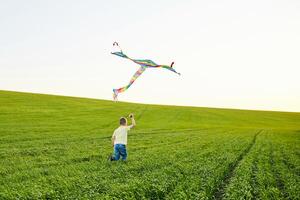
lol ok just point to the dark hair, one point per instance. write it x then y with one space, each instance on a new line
122 121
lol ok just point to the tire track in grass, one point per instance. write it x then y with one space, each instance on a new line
279 182
220 189
254 183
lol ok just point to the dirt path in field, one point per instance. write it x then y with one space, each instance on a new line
220 190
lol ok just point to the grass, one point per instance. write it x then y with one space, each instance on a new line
54 147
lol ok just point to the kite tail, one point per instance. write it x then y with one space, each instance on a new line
134 77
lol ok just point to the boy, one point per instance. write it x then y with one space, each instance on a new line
119 139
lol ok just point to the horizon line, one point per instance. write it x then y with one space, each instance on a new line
155 104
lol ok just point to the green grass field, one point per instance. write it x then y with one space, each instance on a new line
54 147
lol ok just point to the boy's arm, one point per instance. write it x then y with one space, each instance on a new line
133 124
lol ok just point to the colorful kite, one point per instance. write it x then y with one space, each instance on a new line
144 65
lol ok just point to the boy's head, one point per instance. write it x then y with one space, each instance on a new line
123 121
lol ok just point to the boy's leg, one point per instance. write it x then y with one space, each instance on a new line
116 152
123 152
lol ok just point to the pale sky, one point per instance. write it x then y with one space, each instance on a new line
232 54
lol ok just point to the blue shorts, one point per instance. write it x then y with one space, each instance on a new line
120 151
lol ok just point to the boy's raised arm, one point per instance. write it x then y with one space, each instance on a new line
133 124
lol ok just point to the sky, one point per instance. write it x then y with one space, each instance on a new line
231 54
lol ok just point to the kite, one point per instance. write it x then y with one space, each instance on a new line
144 64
